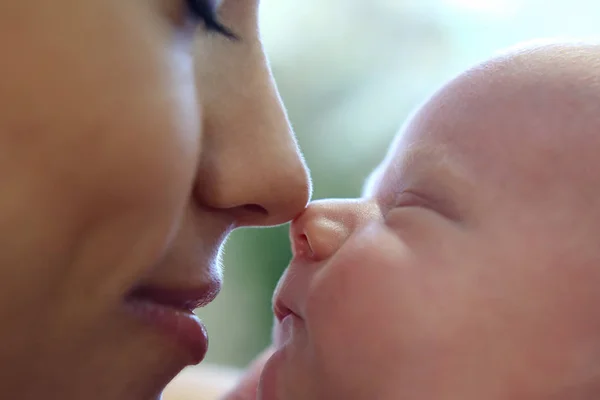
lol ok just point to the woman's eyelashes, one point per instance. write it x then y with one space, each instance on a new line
204 11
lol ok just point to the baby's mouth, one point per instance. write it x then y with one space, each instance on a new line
283 332
285 319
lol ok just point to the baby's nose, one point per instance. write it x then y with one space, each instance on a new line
324 226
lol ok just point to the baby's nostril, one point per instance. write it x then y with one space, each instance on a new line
304 239
255 209
303 247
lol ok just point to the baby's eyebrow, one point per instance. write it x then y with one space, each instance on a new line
428 159
434 169
438 173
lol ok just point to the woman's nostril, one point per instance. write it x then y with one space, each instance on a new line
255 209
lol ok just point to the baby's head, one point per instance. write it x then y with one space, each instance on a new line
470 268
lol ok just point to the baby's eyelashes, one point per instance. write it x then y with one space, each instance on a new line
409 198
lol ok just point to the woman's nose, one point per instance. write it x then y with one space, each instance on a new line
250 164
324 226
259 184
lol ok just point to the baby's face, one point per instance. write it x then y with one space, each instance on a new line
470 268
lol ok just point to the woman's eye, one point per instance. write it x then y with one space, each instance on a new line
205 12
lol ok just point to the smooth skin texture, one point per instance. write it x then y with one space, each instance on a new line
131 143
470 268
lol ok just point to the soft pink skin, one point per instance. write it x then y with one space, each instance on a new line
470 267
131 144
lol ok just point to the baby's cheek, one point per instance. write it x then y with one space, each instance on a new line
354 313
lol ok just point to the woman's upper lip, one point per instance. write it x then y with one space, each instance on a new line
184 298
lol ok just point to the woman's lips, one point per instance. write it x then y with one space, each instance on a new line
171 312
184 298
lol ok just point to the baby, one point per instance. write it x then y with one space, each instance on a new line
470 268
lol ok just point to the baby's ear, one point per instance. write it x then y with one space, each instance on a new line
246 388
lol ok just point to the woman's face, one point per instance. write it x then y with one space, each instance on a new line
132 141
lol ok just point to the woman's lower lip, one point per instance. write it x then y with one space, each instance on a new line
181 326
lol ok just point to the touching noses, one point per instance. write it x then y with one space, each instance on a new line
324 226
257 185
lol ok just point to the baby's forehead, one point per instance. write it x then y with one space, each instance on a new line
519 121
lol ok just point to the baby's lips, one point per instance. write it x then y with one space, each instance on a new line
278 335
284 330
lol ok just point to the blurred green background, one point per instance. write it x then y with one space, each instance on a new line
349 72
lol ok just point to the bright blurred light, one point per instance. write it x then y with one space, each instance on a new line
494 8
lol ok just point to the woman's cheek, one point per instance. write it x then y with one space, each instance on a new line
157 166
148 157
